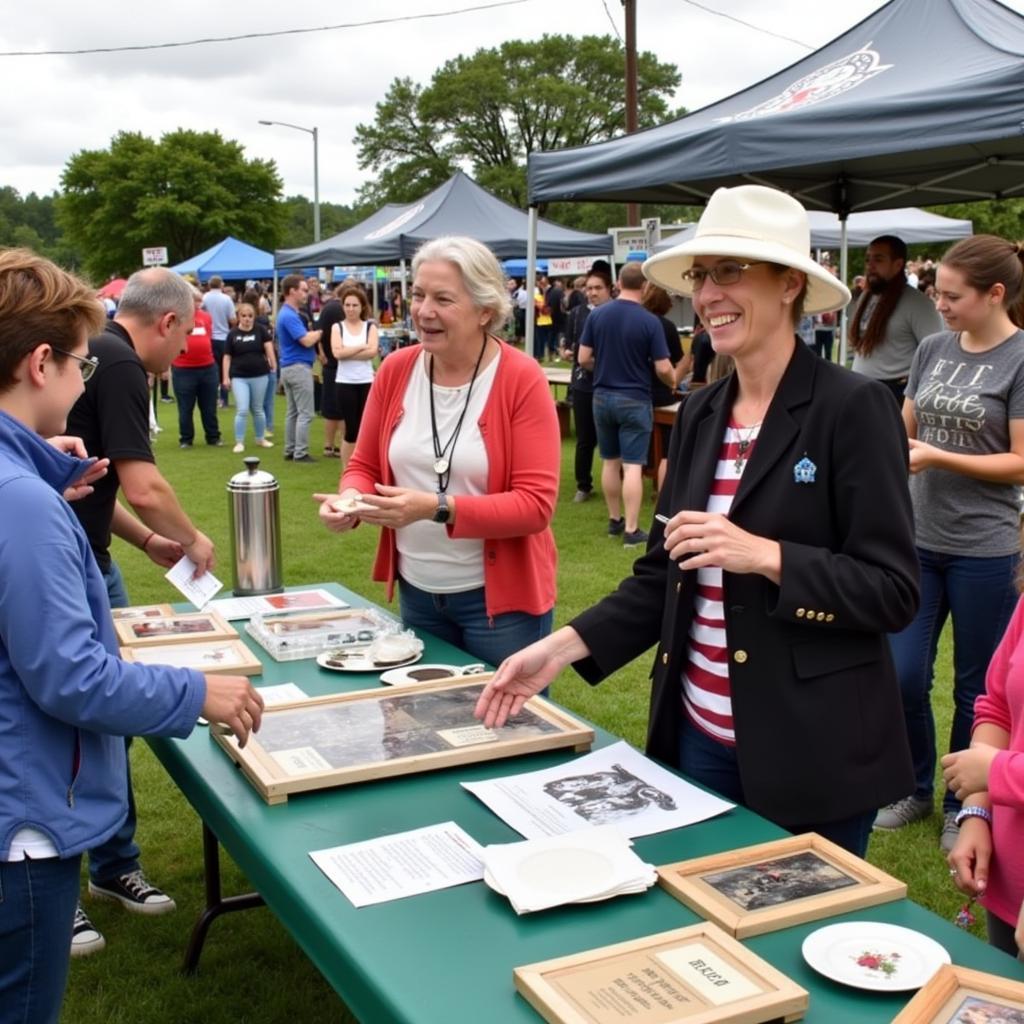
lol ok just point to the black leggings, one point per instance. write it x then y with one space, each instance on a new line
1000 934
351 403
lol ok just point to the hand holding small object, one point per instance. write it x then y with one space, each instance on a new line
233 705
697 540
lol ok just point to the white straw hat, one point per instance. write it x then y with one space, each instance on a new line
751 222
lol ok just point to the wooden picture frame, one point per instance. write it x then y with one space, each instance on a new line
344 738
214 657
142 611
774 885
959 995
186 627
693 975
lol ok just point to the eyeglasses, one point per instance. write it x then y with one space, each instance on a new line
87 364
726 272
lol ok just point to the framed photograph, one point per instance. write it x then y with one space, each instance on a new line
773 885
142 611
322 742
187 627
222 657
696 975
958 995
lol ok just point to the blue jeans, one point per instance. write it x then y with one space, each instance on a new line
119 855
980 595
624 426
249 392
713 764
543 340
37 912
192 385
268 401
220 346
461 620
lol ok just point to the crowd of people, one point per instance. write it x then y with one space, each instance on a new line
816 526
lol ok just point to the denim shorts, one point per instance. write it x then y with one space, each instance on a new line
623 425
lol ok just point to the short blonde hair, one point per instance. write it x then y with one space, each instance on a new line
480 270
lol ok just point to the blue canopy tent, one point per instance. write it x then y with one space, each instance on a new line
231 259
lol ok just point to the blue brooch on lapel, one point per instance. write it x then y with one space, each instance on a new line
804 470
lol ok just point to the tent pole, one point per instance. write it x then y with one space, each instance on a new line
844 266
531 277
274 299
402 265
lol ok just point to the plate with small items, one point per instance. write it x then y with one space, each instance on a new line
348 660
872 955
429 674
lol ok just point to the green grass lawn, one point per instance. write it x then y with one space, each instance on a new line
251 969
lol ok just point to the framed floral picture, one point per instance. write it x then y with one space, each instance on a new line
773 885
187 627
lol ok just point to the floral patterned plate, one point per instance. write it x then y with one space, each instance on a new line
872 955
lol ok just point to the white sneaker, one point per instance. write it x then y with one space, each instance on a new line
264 443
239 448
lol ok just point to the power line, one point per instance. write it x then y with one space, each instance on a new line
260 35
747 24
615 28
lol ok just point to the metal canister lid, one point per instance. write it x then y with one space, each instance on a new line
252 478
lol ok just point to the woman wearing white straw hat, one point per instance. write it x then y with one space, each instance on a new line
781 557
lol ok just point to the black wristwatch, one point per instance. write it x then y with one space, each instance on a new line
442 512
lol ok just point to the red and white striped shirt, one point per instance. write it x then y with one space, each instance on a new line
706 694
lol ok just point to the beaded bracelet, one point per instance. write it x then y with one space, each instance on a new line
973 812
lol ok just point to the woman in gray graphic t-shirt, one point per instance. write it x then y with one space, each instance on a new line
964 412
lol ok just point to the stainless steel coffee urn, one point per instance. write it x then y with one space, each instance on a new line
254 516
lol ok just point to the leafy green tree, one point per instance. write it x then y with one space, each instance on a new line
1004 217
487 112
30 222
187 192
298 221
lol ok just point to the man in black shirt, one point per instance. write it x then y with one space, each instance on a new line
153 321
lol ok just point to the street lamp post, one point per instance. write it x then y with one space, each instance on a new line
316 170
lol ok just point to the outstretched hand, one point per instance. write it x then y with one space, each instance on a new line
233 701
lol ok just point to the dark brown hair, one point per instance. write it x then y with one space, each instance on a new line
40 303
865 342
987 260
656 300
290 282
365 312
631 277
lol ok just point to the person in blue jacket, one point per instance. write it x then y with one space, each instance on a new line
66 698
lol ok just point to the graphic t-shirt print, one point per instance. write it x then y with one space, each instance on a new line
950 411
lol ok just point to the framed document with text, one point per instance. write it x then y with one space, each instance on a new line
957 995
774 885
694 975
186 627
344 738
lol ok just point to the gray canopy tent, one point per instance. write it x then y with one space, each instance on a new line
911 224
922 102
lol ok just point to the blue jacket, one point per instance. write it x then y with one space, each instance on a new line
66 698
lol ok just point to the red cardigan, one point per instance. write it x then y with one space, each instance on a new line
519 427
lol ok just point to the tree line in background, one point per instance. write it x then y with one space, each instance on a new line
483 113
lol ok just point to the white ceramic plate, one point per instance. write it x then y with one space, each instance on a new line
429 673
875 956
357 661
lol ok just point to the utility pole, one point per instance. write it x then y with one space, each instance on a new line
632 209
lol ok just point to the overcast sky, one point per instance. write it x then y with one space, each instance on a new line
53 106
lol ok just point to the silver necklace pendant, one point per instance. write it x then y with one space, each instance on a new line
741 456
441 464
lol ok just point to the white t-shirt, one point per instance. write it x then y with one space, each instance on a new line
30 842
427 557
354 371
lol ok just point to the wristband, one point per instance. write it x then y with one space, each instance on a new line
152 534
973 812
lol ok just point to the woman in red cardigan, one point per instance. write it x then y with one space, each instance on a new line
457 459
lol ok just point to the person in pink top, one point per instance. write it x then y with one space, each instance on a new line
457 460
989 778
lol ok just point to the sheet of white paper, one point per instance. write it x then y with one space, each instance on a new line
282 693
198 591
405 864
275 604
615 785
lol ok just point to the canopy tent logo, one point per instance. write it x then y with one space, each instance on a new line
393 225
820 85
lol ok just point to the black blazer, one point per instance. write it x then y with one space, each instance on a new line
816 704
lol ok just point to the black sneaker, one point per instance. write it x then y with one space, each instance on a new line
288 457
616 527
85 937
134 893
303 458
638 536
